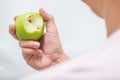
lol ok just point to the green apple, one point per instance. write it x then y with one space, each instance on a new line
29 26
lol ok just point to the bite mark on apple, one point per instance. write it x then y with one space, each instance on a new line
30 21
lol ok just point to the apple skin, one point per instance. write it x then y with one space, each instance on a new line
21 31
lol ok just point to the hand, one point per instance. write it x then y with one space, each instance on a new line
46 52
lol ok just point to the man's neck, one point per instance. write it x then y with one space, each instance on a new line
111 15
109 10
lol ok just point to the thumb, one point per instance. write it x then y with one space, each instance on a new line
50 23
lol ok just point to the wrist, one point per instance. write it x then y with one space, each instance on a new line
62 57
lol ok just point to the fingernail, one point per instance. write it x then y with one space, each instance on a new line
36 44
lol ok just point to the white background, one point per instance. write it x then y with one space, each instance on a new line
79 29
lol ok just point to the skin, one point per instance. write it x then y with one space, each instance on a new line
109 10
48 51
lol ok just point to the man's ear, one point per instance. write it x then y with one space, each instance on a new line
96 6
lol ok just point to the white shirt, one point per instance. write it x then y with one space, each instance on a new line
102 63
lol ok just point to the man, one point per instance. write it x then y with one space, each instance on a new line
102 63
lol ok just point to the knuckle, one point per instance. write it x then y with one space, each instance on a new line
27 51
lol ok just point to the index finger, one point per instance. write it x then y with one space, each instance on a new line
12 31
